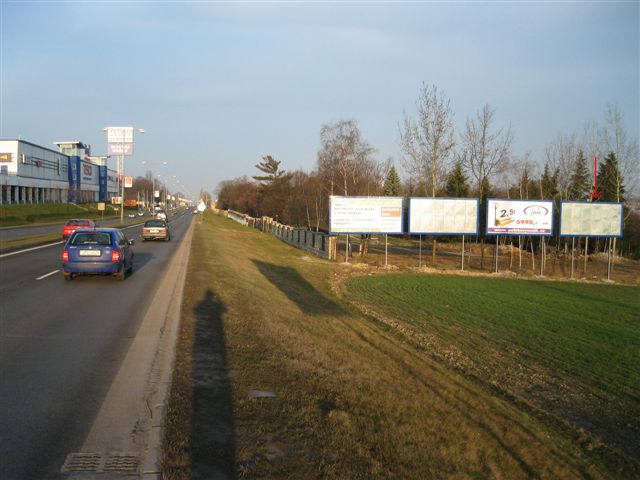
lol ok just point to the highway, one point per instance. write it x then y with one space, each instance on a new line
61 345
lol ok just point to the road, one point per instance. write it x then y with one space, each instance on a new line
61 346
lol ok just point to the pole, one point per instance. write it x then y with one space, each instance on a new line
497 238
420 252
385 250
573 251
121 180
462 265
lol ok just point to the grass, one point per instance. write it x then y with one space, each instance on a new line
17 215
570 348
354 396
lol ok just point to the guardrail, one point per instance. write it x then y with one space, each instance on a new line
320 244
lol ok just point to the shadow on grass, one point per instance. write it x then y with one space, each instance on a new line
212 429
308 299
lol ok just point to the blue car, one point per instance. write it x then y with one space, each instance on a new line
97 251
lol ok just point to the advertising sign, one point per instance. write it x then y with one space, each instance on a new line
444 216
584 219
128 182
365 214
120 140
519 217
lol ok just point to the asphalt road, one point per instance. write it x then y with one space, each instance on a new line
61 344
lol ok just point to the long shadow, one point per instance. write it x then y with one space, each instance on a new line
212 429
308 299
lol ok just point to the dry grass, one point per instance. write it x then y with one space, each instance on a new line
353 399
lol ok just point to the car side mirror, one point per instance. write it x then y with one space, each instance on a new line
131 242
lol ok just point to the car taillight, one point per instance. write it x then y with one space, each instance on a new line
115 255
65 255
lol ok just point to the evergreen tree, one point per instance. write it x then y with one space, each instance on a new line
271 167
457 185
580 182
392 184
549 183
610 180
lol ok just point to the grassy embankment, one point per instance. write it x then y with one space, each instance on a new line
355 397
48 213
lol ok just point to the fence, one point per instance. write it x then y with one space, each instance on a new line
318 243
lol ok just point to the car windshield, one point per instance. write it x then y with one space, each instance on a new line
155 223
91 238
78 223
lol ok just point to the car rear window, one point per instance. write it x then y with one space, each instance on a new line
79 223
155 223
91 238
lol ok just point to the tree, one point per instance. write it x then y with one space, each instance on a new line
271 167
549 183
344 160
428 143
580 179
484 151
610 180
457 185
561 155
627 153
393 185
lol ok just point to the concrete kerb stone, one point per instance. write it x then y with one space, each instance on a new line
173 286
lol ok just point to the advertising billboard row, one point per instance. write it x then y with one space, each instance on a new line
460 216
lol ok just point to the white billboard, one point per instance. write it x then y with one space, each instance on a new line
365 214
444 216
519 217
584 219
120 140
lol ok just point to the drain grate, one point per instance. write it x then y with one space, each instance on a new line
98 463
120 462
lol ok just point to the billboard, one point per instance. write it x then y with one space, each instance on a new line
585 219
519 217
120 140
444 216
365 214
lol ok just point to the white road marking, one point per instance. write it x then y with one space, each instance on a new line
47 274
30 249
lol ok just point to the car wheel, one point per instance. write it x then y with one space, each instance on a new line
122 274
167 238
68 276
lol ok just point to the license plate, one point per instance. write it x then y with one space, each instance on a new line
154 230
90 253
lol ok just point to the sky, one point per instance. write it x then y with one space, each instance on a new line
218 85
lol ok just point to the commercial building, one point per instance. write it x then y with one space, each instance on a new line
30 173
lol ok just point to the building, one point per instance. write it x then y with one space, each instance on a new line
30 174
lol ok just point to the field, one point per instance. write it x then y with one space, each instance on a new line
289 366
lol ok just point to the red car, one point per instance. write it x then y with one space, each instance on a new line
74 224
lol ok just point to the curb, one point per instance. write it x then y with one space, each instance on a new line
162 370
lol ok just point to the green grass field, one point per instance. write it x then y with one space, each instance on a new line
569 348
16 215
366 387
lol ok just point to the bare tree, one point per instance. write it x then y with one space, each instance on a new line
561 155
484 151
614 139
428 141
344 159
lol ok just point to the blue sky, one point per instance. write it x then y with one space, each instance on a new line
218 85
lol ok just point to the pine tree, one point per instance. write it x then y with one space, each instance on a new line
392 184
457 185
610 181
580 184
549 183
271 167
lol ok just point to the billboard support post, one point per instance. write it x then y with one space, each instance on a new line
385 250
420 253
497 252
462 261
573 251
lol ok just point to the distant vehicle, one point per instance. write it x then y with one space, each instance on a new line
74 224
97 251
155 229
132 215
140 213
161 215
